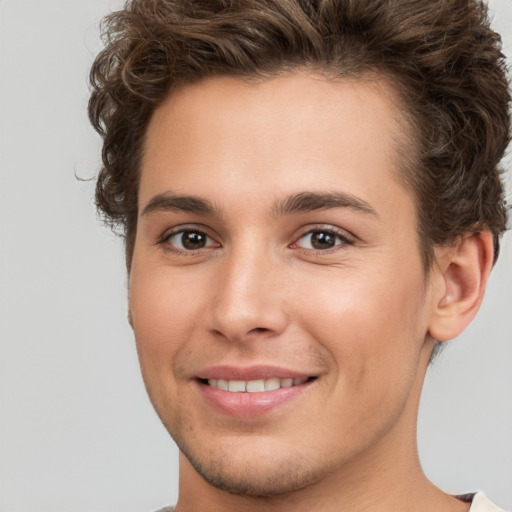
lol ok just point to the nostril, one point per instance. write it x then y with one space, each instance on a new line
259 329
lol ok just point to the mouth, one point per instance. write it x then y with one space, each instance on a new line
253 392
255 386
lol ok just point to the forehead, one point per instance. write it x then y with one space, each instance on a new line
294 132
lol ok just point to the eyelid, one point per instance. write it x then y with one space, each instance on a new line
345 237
163 240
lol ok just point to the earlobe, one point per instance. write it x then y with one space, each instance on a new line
464 273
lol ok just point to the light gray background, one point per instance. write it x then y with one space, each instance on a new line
77 432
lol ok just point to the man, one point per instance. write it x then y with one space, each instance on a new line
312 205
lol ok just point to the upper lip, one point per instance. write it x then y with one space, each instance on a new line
248 373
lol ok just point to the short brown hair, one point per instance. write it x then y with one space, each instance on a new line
442 56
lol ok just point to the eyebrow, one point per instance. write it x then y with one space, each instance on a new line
297 203
311 201
170 202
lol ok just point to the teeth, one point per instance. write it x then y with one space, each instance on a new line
272 384
287 383
255 386
237 386
222 384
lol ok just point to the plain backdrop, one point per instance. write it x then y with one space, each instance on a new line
77 432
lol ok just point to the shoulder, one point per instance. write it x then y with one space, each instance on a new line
481 503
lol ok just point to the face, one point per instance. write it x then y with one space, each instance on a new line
277 292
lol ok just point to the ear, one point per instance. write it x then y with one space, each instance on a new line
463 270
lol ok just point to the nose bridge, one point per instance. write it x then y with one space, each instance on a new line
249 297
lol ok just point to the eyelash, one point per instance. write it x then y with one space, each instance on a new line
168 246
339 236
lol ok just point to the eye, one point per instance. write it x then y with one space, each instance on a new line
189 240
321 240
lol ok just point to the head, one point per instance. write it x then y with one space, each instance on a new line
426 81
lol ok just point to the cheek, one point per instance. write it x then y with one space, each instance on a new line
368 323
369 331
164 314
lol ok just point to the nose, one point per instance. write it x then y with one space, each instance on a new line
249 297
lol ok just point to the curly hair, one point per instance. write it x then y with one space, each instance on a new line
442 56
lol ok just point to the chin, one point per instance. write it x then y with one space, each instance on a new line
255 478
252 467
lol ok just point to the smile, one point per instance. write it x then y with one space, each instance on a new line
255 386
252 397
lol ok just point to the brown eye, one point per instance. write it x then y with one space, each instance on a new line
193 240
190 240
321 240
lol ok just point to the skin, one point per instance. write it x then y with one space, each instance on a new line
357 316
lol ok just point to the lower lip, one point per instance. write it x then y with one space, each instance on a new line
246 405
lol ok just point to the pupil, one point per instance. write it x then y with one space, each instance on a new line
193 240
322 240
